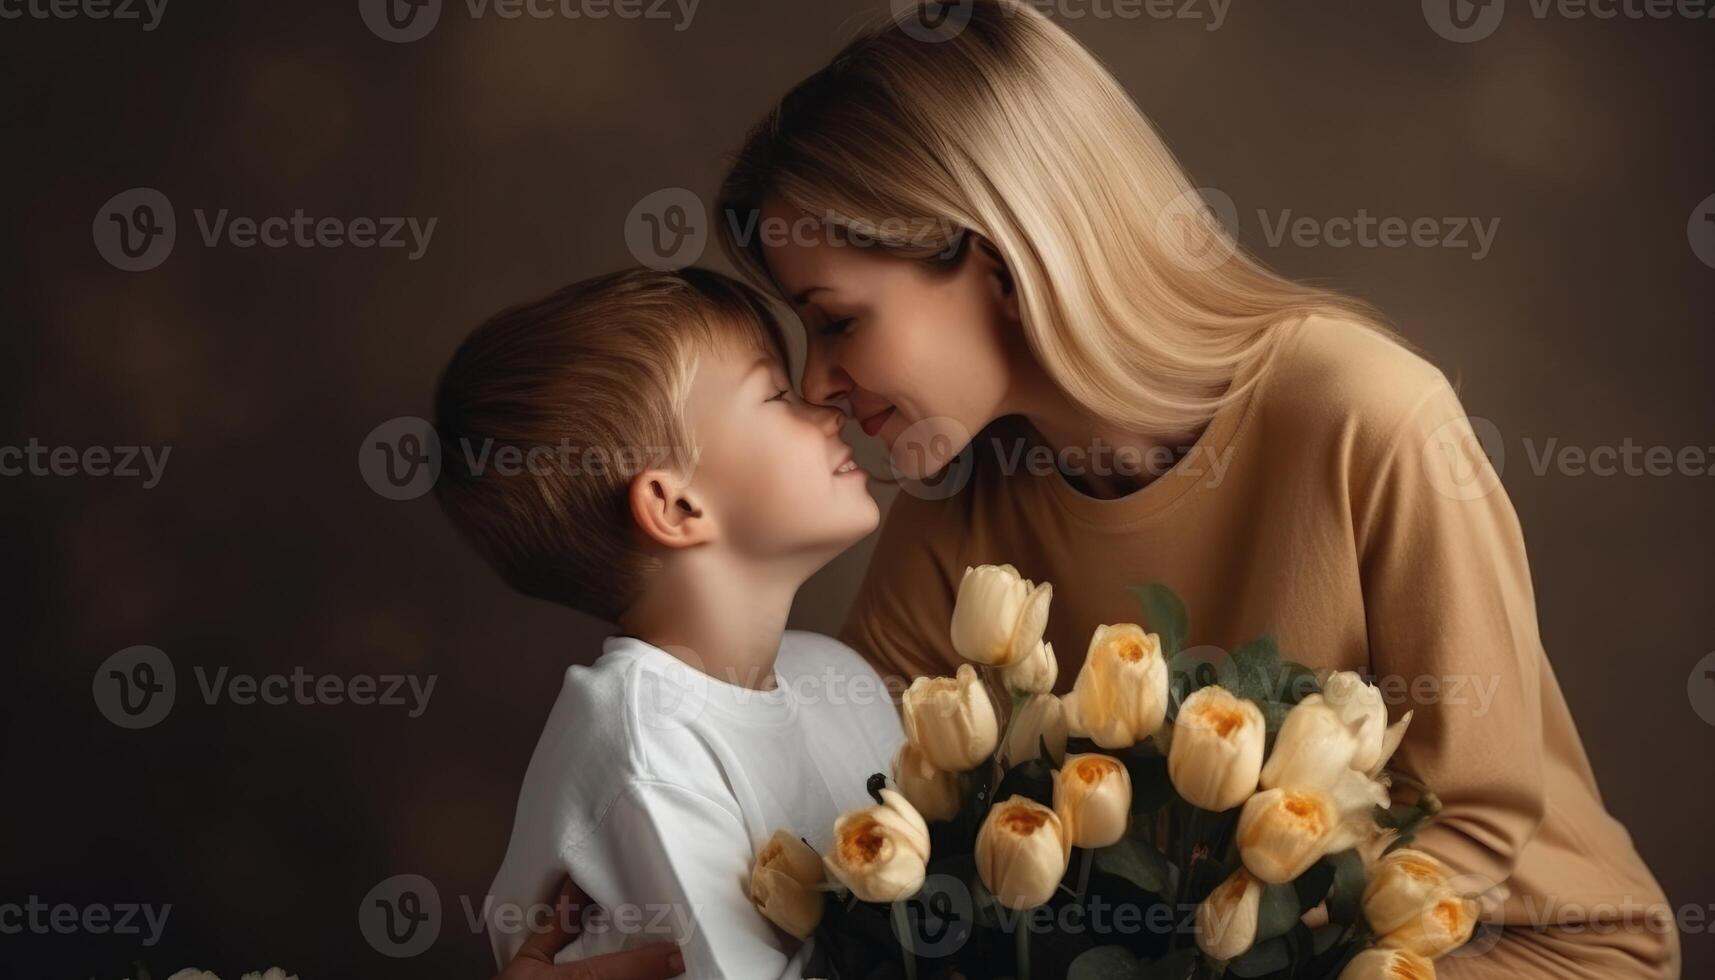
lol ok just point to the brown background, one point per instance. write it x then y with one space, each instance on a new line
263 549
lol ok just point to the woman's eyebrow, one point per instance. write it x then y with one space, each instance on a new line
803 295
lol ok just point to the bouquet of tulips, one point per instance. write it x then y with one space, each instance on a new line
1181 813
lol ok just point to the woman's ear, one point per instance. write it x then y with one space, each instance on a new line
668 512
1002 287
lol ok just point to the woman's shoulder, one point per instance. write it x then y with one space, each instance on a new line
1338 377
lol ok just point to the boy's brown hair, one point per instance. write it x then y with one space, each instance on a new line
548 409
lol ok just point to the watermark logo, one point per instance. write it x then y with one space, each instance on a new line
933 458
1464 458
1700 688
668 229
134 231
135 688
149 12
671 692
1700 231
940 917
33 915
1464 21
401 916
400 21
124 462
932 21
400 459
1199 228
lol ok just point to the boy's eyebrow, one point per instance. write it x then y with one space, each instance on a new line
763 363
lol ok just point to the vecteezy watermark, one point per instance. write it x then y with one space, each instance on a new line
402 458
1464 458
149 12
136 230
404 21
122 462
403 916
1200 228
668 229
934 21
137 687
38 917
1700 231
1700 688
1465 21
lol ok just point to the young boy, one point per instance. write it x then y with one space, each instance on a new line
666 478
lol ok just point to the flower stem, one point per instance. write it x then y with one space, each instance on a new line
1021 935
902 929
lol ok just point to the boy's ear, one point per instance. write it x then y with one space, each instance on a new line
667 511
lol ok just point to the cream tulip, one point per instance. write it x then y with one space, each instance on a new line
1314 747
1021 852
1402 884
1215 756
1443 926
1041 718
880 852
1120 696
933 792
1282 832
951 719
1388 964
999 615
1361 707
1092 796
1227 919
1356 797
1035 673
783 884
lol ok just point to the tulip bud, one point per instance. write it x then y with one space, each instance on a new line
783 884
1033 674
951 719
1041 718
1021 853
1360 707
1092 796
1227 919
1356 797
1442 927
933 792
1283 832
999 615
1388 964
1402 884
1120 696
1313 748
880 852
1215 756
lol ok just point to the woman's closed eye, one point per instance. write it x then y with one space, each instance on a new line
834 328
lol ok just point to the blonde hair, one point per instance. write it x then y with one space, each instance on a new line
597 374
1007 127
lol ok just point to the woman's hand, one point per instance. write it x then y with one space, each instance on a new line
535 960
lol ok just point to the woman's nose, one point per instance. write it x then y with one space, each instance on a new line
824 382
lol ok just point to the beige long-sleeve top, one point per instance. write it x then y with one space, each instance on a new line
1343 507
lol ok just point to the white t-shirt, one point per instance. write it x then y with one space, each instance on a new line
655 784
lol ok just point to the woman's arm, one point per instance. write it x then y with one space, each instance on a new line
667 862
1452 626
535 959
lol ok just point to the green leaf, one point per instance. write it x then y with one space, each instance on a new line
1033 778
1113 962
1297 682
1136 862
1346 894
1278 912
1179 965
1324 938
1254 671
1312 885
1163 615
1262 959
1151 786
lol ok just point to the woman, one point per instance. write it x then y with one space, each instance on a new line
1000 245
